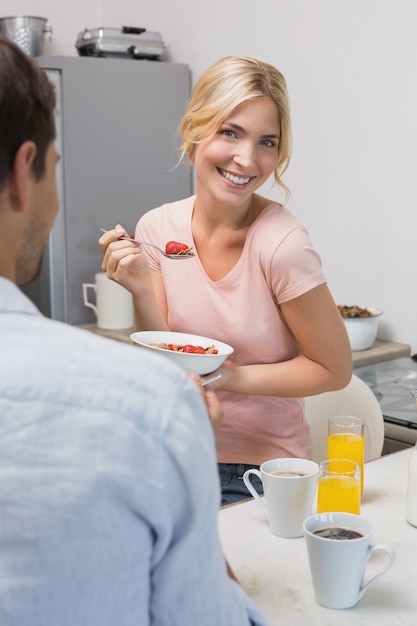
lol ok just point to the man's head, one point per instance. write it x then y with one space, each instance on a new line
28 194
27 103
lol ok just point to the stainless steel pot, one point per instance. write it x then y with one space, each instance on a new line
27 32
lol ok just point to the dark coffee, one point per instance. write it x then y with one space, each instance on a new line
289 472
337 533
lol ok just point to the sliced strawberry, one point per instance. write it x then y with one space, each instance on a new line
193 349
175 247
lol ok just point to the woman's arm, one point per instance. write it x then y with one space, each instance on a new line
325 361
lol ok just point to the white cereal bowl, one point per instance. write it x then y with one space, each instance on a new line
362 331
202 364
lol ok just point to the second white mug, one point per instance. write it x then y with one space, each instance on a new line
290 487
339 546
113 303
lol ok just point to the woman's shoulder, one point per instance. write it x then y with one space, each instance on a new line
275 222
278 237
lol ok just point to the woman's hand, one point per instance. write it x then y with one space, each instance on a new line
124 261
211 400
126 264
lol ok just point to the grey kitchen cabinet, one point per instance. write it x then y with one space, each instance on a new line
116 122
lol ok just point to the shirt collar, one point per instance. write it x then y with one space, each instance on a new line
12 299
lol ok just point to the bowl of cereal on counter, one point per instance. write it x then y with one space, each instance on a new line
361 325
194 353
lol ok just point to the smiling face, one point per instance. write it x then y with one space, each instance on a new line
234 162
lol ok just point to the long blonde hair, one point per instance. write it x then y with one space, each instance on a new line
220 89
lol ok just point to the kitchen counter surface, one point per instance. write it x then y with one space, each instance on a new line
380 351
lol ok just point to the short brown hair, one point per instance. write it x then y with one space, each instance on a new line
27 103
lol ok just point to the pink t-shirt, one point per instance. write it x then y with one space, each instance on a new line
277 264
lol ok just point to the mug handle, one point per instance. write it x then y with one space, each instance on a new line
87 286
251 488
382 547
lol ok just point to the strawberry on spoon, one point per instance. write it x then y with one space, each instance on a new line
175 247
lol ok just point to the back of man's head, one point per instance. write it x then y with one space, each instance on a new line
27 102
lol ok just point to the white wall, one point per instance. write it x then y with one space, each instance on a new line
351 69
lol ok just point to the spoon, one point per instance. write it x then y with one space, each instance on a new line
187 255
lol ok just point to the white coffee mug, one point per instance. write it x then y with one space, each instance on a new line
290 488
113 303
338 565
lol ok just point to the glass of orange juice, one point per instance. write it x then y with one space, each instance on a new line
346 440
339 487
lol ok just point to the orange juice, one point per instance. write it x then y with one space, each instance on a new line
347 446
338 493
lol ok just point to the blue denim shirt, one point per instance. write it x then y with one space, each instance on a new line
109 490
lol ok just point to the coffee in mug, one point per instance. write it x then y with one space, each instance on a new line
338 534
289 472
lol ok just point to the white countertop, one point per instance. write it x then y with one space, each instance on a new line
275 571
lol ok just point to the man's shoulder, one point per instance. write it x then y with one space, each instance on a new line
63 363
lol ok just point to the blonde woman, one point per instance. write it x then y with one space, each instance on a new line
256 281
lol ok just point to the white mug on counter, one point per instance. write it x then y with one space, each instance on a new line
113 303
290 488
339 546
